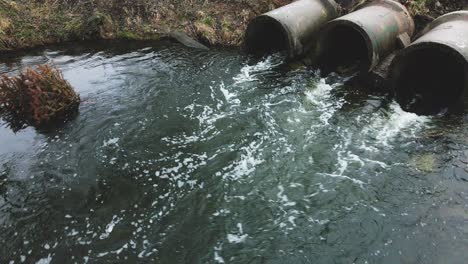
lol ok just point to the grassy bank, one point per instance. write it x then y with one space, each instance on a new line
28 23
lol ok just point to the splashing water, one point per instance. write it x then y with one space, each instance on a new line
186 156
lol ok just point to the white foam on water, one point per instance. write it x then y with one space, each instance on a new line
111 142
320 92
398 123
289 213
291 220
383 165
237 238
341 149
222 212
318 221
247 162
110 227
346 157
182 140
45 260
288 220
283 197
344 177
322 99
103 254
207 119
229 96
118 251
217 256
381 129
249 73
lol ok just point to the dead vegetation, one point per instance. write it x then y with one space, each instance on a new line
38 98
27 23
434 8
425 11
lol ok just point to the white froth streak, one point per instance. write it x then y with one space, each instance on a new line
230 97
384 129
237 238
250 72
320 97
399 123
46 260
218 257
344 177
247 163
110 227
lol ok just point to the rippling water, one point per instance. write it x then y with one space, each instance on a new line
189 156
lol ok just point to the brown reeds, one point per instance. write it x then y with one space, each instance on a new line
40 98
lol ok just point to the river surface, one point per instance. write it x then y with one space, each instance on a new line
187 156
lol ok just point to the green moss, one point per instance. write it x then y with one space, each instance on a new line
126 34
26 32
7 10
420 6
208 20
72 29
227 25
424 163
147 29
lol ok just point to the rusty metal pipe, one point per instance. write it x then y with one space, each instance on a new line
291 28
359 40
432 73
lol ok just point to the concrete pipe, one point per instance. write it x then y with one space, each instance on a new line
290 29
359 40
432 73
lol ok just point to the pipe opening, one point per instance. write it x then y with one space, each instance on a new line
429 80
343 49
265 36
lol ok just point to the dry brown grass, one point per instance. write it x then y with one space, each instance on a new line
38 98
37 22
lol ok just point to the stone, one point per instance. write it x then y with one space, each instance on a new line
187 41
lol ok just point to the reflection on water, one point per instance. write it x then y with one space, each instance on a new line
189 156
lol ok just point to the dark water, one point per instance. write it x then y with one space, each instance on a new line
188 156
